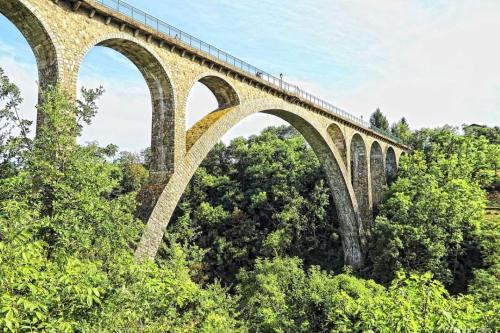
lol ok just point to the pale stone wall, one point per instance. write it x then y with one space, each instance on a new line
377 172
62 32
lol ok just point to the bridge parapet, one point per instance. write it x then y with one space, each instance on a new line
169 36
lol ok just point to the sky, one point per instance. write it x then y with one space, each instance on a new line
432 62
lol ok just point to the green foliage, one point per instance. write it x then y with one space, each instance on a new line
468 157
379 120
67 234
134 172
14 131
486 284
433 213
258 197
492 134
66 246
279 296
424 222
401 129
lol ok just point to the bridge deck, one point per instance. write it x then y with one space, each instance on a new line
176 39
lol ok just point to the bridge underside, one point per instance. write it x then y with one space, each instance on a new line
357 161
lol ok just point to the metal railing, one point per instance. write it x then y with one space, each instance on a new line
170 31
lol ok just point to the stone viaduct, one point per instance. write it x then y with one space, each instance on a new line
357 160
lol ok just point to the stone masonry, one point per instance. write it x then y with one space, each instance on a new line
357 161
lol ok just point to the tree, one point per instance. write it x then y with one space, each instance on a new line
259 197
434 210
469 157
14 131
378 120
67 235
279 296
401 129
66 246
492 134
134 172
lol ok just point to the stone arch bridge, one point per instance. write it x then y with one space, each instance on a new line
357 160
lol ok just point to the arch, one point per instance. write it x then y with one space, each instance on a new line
339 141
359 176
223 91
162 97
391 166
209 131
377 173
402 155
41 40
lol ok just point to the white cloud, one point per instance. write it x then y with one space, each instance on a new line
124 116
433 65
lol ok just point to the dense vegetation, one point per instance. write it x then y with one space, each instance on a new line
253 245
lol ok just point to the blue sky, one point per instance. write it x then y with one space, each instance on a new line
433 62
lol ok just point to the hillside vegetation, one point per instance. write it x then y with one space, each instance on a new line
253 245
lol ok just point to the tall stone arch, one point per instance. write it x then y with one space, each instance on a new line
214 126
359 177
377 173
41 39
162 97
391 165
339 141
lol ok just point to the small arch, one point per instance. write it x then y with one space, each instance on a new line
402 155
359 175
161 91
219 89
377 173
217 94
338 139
223 91
391 166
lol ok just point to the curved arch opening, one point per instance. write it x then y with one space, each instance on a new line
124 115
131 65
402 156
224 93
359 175
339 141
259 201
377 174
391 166
39 39
221 122
208 94
200 102
20 65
